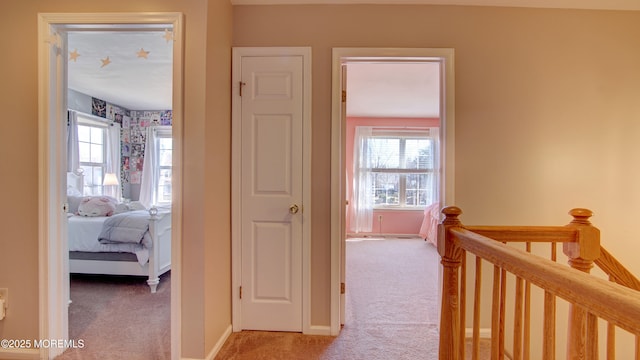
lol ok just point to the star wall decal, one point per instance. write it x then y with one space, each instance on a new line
142 53
73 55
168 35
53 39
105 62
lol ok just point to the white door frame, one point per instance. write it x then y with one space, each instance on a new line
52 110
338 131
236 146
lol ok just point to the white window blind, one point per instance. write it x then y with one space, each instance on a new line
402 168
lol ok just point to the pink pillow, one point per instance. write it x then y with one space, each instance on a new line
97 206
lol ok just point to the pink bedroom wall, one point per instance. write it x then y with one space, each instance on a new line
386 221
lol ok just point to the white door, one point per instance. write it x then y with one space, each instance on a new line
271 192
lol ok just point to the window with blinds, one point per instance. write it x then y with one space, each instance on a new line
165 154
401 167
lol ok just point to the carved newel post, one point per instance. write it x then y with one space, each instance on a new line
451 255
583 332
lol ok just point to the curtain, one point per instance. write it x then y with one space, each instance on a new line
436 175
113 156
428 229
148 179
73 150
361 195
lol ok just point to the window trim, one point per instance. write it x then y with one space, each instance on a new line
92 121
403 135
162 132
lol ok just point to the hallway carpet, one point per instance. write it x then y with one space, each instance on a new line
117 317
391 310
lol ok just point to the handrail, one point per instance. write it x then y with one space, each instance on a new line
618 273
616 301
527 233
609 301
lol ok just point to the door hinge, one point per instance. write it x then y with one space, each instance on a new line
344 95
240 292
241 86
65 207
342 288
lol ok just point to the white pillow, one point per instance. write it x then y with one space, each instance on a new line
121 208
136 205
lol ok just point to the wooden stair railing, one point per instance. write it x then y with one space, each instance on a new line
616 271
590 298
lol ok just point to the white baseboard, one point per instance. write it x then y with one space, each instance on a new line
484 333
385 235
313 330
318 330
20 354
212 354
220 343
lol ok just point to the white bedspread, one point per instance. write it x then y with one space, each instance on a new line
83 236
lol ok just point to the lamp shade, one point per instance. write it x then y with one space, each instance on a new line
110 179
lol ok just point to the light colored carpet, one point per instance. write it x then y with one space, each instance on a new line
117 317
392 310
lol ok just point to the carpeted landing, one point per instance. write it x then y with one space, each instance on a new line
118 317
391 310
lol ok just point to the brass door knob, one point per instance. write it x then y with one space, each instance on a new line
293 209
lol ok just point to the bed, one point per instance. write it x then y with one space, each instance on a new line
429 227
118 252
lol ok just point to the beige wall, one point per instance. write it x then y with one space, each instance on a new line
546 120
217 200
547 109
206 229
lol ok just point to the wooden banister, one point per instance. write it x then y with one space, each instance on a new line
582 333
609 301
533 234
618 273
616 301
451 255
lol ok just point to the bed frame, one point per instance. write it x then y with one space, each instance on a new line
105 263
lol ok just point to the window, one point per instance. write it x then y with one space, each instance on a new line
92 144
157 170
165 154
401 167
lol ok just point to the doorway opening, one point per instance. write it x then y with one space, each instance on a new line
56 37
418 133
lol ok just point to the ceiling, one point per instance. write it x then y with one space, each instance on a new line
393 89
138 72
137 75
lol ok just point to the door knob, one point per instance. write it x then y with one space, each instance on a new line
293 209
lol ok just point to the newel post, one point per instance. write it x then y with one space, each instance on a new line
583 332
451 255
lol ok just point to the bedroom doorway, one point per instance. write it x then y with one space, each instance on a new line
54 58
397 59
